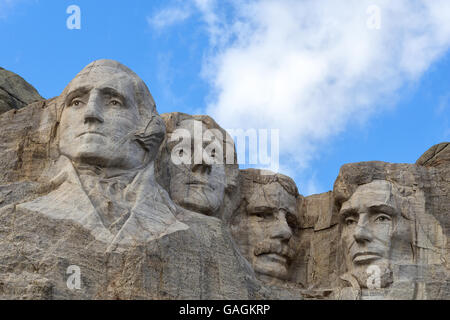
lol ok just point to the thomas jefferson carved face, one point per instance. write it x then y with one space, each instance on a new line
372 226
100 119
269 223
196 186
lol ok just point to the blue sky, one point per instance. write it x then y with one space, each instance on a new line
338 90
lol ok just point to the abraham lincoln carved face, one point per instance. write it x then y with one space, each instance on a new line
372 228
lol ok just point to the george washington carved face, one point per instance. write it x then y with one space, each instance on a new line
100 119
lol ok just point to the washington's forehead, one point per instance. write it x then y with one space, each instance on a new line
102 77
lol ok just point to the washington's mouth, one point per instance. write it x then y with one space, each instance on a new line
275 257
91 132
364 257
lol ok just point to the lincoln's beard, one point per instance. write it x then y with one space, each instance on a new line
367 275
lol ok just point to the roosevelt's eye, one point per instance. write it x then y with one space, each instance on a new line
262 215
291 220
350 221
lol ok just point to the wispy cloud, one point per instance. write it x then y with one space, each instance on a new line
313 68
169 17
6 7
310 68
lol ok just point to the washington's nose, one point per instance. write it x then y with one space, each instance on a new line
93 110
362 234
281 229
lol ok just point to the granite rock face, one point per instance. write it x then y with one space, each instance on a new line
15 92
103 198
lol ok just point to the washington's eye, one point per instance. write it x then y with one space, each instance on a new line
76 102
180 153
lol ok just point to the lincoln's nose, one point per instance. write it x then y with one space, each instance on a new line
362 234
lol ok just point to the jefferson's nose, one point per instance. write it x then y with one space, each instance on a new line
281 229
93 109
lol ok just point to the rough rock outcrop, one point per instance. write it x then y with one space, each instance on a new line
15 92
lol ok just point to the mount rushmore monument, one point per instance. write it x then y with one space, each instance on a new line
101 197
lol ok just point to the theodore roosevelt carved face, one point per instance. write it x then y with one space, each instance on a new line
267 223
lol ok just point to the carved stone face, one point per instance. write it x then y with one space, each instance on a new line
99 120
270 224
372 226
197 187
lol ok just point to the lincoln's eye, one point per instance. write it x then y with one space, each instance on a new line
382 218
350 221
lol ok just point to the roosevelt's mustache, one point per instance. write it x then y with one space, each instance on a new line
267 247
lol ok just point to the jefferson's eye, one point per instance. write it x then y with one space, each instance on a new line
115 102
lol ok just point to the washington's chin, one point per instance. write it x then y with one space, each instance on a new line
272 265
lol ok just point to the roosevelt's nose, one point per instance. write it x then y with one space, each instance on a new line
92 112
281 229
202 168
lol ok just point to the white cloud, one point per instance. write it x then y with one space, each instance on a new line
169 17
313 68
